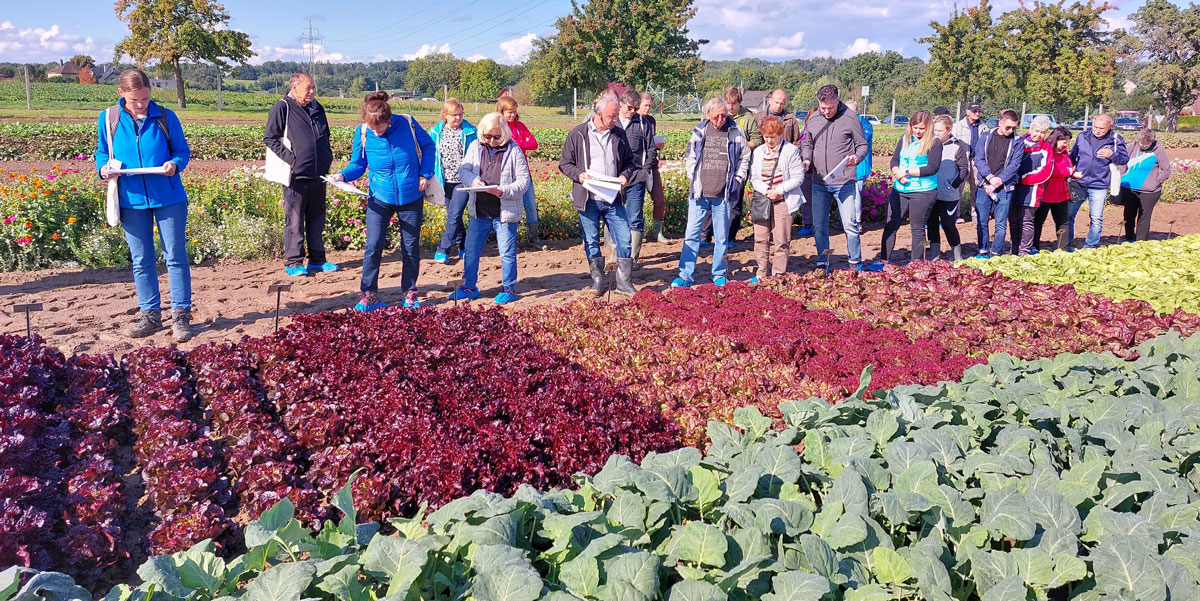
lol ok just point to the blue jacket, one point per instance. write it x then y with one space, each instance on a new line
864 166
145 147
392 159
1012 161
1096 174
469 134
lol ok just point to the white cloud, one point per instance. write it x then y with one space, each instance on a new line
46 44
475 57
296 53
861 46
1115 23
779 47
518 49
720 48
428 49
863 11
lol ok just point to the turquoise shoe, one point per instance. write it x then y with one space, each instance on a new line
462 293
680 283
326 267
296 271
440 258
369 301
507 295
720 281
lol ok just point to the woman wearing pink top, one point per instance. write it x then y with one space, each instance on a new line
524 138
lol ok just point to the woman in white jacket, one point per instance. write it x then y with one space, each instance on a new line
776 172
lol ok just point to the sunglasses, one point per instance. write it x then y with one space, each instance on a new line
491 136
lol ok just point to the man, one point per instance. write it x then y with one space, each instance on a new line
997 161
598 150
717 162
864 168
777 107
1093 153
968 130
302 119
832 135
656 187
744 119
639 132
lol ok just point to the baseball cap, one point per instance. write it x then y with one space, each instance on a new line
941 110
974 106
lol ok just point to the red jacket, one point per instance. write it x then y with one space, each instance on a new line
522 136
1056 187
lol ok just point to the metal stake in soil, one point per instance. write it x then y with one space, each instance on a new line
828 265
924 247
609 270
454 284
28 308
278 289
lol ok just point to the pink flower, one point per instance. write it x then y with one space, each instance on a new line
345 238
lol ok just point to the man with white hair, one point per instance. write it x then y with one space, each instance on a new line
598 150
718 160
1094 152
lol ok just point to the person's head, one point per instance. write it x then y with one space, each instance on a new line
630 101
493 130
134 88
918 128
778 102
1101 125
716 111
646 104
376 112
772 131
942 126
1060 138
1006 124
1145 138
828 100
938 111
508 107
1039 128
733 100
303 89
452 113
606 113
852 105
974 111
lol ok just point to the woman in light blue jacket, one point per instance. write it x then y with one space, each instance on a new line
495 163
914 166
452 136
144 134
400 156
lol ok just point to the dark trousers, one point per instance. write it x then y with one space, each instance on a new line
455 234
914 205
1139 206
945 212
408 222
1059 211
304 222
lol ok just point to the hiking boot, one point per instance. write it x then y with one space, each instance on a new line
368 301
410 300
148 323
181 325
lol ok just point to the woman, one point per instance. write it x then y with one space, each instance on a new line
915 165
137 132
1056 197
645 108
400 156
499 164
776 172
954 170
806 216
1037 165
451 137
524 138
1141 186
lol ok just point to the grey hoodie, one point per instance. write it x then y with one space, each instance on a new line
842 138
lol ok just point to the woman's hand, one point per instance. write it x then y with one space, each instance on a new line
105 175
422 183
1077 175
169 168
337 177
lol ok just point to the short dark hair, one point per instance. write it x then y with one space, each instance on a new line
732 94
1060 133
1145 136
631 98
828 93
1009 115
940 110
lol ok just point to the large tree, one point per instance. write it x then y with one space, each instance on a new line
174 31
635 42
1060 54
481 80
430 73
83 60
964 54
1169 38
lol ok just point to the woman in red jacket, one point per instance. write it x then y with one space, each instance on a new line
524 138
1056 193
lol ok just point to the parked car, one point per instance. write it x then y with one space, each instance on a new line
1029 117
872 119
1127 124
801 116
899 120
429 99
1080 125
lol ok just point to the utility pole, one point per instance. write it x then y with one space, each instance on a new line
220 76
310 37
28 96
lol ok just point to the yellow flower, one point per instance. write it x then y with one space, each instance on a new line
71 220
62 196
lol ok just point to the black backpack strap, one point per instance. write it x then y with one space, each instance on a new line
162 124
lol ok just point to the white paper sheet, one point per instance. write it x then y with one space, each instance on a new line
604 191
343 186
659 139
837 171
162 170
475 188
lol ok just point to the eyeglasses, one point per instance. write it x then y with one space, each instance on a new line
491 136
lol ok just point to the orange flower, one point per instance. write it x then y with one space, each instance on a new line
28 225
71 220
55 236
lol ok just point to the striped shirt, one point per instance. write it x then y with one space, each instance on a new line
770 168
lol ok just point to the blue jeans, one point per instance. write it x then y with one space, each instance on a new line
985 209
849 209
455 234
698 209
635 199
139 234
1095 201
379 217
618 228
530 202
477 235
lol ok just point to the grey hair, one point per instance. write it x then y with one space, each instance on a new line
605 101
1146 137
491 121
647 96
714 103
1040 122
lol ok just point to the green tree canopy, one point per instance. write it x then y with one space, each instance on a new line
429 73
964 54
83 60
481 80
174 31
1169 38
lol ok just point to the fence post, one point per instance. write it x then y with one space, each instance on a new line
28 96
893 119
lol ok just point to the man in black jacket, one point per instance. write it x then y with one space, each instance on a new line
300 118
639 132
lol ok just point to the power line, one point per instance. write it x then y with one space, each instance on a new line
469 50
491 21
310 40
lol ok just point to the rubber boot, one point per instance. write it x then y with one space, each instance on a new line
656 233
597 268
935 248
636 247
957 253
612 245
625 276
534 240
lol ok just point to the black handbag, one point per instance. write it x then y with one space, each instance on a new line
761 210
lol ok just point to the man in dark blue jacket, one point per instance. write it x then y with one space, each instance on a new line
1094 151
997 159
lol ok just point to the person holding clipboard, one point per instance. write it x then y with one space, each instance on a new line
138 134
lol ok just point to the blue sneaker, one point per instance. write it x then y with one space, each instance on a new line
803 232
753 280
368 301
507 295
1033 251
729 245
295 271
440 258
326 267
463 293
705 244
680 283
980 256
876 266
410 300
720 281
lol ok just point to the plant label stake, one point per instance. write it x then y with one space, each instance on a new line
828 265
278 289
28 308
1170 229
608 271
454 284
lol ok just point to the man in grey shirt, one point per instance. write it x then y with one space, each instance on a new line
833 135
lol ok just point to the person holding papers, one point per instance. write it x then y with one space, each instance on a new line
137 133
717 163
400 156
834 140
1141 186
915 165
451 136
496 176
596 156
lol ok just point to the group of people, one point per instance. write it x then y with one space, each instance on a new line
790 167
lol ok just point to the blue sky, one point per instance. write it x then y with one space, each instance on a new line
356 30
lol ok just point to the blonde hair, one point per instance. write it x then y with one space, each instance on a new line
449 105
491 121
507 103
926 142
945 120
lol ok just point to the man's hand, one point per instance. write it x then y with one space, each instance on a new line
624 181
170 168
1104 153
583 176
422 183
338 177
989 189
1077 175
807 165
852 160
105 175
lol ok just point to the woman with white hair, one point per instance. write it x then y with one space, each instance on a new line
1037 165
493 162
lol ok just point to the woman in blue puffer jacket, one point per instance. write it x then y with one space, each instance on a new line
400 156
145 134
